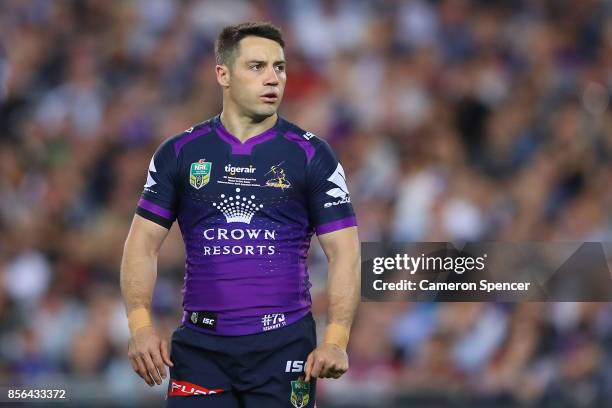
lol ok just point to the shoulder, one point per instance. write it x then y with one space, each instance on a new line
310 143
173 145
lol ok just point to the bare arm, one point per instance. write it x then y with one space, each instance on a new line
344 284
147 351
344 277
139 263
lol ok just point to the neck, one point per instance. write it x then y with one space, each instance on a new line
244 127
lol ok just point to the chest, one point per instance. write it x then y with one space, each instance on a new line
241 178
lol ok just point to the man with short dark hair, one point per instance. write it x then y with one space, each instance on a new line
248 189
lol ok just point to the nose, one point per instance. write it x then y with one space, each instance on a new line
272 77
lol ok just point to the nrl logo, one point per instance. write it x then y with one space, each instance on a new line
199 174
300 393
279 180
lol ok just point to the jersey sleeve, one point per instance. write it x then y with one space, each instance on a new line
158 200
329 201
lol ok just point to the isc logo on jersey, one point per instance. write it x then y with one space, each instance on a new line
341 191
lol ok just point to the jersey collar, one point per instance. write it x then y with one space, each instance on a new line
245 148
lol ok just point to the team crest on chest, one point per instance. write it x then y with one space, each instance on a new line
278 180
199 174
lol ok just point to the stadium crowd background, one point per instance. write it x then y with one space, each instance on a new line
454 120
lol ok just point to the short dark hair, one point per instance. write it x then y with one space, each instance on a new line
227 43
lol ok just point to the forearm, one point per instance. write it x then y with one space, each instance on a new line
343 288
146 350
344 285
138 275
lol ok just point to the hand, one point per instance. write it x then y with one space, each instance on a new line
148 354
326 361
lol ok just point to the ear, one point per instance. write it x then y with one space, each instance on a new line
223 75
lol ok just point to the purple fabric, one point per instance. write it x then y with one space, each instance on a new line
244 148
306 300
178 145
336 225
303 143
154 208
241 287
235 324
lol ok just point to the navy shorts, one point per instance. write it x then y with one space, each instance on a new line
253 371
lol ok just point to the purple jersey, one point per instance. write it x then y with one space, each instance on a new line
246 212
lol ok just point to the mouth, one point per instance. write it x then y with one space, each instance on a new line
269 97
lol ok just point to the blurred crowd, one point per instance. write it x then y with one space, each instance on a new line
454 120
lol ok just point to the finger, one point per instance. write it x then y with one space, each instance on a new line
165 354
134 364
326 371
159 364
151 369
139 369
135 361
142 371
317 367
308 367
335 372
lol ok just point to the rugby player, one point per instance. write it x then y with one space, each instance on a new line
248 189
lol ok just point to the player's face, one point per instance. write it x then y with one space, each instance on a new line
257 79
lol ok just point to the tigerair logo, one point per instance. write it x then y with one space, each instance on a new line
238 208
232 170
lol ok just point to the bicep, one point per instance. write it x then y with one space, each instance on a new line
145 235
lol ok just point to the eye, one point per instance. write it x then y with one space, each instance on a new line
255 67
280 68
